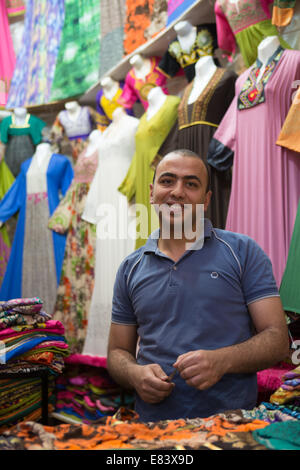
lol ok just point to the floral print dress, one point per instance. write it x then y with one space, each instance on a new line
77 278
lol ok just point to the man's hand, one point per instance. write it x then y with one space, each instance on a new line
200 369
150 383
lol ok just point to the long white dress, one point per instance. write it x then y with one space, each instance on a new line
108 208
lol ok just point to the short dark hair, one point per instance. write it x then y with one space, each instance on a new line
187 153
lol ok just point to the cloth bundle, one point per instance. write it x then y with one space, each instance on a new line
86 393
289 390
28 335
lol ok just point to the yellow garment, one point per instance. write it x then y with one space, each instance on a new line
289 136
150 136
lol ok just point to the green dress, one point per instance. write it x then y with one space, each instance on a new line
77 66
289 288
6 180
149 138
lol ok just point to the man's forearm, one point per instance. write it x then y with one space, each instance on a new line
259 352
120 364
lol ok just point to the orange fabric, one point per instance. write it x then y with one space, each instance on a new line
282 16
289 136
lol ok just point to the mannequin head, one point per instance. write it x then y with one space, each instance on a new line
19 111
156 93
72 106
108 82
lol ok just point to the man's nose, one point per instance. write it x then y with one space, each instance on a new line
178 189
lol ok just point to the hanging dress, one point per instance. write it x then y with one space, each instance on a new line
77 277
244 23
265 177
149 138
77 66
34 266
105 107
7 55
194 129
37 58
6 180
107 207
20 140
136 88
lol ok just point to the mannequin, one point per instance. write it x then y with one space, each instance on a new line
42 152
110 87
265 50
141 65
20 116
156 99
73 110
186 34
204 71
94 140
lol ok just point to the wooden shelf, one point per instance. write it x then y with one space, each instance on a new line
202 11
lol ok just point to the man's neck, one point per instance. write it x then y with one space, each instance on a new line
173 248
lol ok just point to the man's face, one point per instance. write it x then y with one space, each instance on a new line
180 182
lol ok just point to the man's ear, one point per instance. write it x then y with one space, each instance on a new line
151 193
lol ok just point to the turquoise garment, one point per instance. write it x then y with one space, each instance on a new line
59 178
32 126
279 436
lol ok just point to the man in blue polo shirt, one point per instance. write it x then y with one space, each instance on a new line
206 317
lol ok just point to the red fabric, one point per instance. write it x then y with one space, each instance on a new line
269 380
87 360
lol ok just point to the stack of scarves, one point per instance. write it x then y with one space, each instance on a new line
289 390
28 335
20 399
86 393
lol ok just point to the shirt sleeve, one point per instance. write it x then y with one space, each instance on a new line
168 65
258 280
122 308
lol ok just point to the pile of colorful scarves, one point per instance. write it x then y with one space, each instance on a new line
289 390
86 393
28 335
30 342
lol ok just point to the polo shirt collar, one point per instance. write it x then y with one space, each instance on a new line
151 244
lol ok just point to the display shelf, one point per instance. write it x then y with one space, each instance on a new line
202 11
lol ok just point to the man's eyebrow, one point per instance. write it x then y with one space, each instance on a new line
186 177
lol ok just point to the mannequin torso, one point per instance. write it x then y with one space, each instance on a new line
73 109
20 116
141 65
204 71
156 99
94 139
110 87
265 50
186 35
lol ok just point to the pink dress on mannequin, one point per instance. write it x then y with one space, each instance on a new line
266 177
7 55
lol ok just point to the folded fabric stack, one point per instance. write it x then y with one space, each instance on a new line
28 335
289 390
30 344
86 393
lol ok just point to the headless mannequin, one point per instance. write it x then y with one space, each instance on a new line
186 35
94 139
43 151
20 116
156 99
110 87
205 68
73 110
265 50
141 65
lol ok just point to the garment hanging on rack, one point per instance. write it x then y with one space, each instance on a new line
36 258
265 177
244 24
107 207
37 58
7 55
106 107
175 58
20 140
150 136
196 124
77 277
